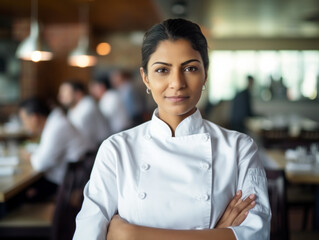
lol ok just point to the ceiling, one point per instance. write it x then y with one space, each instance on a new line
104 15
220 18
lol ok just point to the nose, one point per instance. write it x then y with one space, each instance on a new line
177 80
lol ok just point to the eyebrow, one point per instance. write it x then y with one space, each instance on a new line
183 64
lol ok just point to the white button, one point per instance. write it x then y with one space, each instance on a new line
205 137
145 166
205 165
203 197
199 228
141 195
148 137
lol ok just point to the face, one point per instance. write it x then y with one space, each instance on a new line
66 95
30 122
96 90
116 79
176 75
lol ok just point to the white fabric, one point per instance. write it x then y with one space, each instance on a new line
183 182
60 142
88 119
114 111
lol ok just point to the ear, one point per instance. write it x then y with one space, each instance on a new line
205 79
144 78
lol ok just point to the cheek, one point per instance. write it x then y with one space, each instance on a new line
158 85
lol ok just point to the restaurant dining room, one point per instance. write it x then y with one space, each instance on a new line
76 103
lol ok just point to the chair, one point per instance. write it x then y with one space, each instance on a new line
52 220
277 199
301 197
70 197
276 138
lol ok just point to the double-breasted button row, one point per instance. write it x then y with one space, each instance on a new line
144 167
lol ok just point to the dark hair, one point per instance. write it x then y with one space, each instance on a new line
104 80
249 77
174 29
76 85
35 105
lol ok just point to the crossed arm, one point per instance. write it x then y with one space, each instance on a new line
235 213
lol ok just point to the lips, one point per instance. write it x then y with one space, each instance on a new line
176 99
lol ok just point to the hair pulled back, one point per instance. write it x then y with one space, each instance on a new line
174 29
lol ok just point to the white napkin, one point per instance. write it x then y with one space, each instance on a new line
9 160
7 171
298 167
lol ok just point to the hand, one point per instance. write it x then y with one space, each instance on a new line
236 211
118 229
24 154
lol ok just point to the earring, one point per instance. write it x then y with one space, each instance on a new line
148 91
204 87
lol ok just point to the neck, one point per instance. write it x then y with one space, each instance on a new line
41 124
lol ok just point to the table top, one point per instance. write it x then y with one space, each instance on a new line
13 135
302 177
24 177
293 124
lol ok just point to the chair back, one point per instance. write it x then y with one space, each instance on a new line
277 199
70 197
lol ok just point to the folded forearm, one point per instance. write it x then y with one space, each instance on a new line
145 233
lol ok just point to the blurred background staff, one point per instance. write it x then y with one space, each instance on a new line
277 88
59 142
110 104
241 107
83 112
123 81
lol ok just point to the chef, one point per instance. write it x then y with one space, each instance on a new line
174 176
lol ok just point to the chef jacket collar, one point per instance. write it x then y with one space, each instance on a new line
190 125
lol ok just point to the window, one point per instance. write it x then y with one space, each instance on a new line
294 72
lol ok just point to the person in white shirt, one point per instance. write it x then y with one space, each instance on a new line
110 104
59 142
83 112
177 176
123 81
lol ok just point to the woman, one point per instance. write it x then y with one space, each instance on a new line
175 174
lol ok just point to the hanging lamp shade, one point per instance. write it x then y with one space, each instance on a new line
33 47
82 55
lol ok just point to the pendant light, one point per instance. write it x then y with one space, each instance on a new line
33 47
82 55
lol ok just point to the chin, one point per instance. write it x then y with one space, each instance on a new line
183 112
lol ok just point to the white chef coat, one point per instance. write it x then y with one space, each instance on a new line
184 182
88 119
60 142
114 111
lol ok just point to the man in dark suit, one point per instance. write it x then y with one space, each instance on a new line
241 107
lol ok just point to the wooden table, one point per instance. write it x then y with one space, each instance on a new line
10 186
308 177
283 131
302 177
17 135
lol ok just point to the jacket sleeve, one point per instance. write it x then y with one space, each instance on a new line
100 197
52 146
252 179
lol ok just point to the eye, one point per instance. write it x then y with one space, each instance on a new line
190 69
161 70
